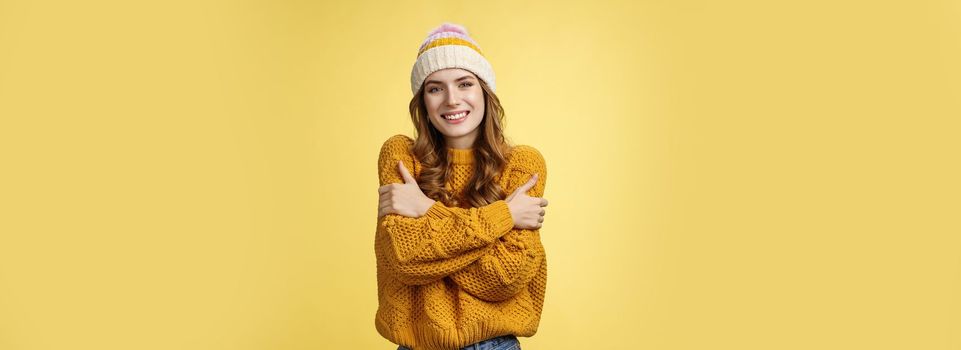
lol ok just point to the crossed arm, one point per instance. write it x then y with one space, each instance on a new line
478 248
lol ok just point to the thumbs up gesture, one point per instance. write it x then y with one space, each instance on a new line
527 211
405 199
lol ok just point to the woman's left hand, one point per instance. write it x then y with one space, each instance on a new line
405 199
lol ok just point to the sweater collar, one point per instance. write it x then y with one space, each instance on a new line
461 156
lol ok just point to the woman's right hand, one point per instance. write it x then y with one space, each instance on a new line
526 210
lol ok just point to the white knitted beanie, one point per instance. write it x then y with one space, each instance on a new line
448 46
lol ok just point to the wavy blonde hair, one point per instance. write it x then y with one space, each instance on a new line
491 150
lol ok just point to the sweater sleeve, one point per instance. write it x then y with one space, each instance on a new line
446 239
516 257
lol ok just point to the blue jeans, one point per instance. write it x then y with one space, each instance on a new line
504 342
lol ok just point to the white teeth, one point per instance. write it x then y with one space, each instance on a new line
455 116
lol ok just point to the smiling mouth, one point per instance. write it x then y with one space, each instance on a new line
456 116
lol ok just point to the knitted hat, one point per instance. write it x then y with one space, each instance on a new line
448 46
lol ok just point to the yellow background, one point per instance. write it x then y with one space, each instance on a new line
722 174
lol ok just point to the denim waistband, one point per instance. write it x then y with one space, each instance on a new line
497 343
492 343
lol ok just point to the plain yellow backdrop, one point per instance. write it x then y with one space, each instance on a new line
739 174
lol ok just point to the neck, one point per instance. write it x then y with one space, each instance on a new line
462 142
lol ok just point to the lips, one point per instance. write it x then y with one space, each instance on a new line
445 115
458 120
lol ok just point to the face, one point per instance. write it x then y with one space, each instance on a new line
455 91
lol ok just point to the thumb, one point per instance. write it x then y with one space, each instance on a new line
526 186
408 179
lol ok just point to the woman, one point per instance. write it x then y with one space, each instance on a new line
460 263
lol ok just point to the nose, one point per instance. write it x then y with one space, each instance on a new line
452 99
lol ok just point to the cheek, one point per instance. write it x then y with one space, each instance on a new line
476 100
431 107
478 103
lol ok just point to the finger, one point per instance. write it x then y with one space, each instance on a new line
384 189
528 185
543 202
543 212
405 174
540 219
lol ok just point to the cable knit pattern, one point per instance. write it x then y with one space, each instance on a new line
456 276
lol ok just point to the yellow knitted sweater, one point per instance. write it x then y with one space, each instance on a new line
456 276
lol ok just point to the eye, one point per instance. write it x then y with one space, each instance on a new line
431 90
469 84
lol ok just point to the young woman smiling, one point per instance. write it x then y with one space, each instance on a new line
460 264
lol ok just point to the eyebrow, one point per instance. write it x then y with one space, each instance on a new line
438 82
